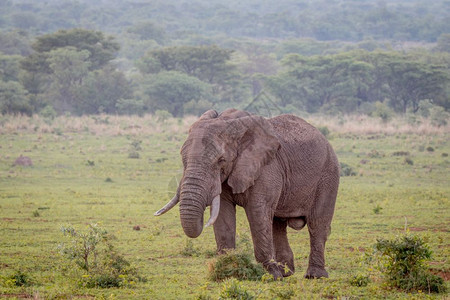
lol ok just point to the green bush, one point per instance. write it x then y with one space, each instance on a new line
409 161
189 250
402 261
347 170
383 111
233 289
324 130
360 280
235 264
92 252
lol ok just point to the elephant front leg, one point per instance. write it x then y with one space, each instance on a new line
260 220
225 226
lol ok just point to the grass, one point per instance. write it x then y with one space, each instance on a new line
82 174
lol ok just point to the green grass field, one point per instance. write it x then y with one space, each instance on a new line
117 171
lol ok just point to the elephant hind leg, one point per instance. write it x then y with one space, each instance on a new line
283 251
319 227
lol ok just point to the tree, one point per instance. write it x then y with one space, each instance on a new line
9 67
101 49
170 91
210 64
149 31
69 68
13 98
15 42
101 91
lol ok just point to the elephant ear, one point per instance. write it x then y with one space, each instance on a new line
258 145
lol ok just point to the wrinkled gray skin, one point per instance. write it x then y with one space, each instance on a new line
281 170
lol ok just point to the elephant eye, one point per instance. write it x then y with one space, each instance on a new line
221 159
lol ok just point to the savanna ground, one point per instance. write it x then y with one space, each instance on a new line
117 171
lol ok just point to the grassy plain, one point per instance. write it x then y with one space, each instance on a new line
83 172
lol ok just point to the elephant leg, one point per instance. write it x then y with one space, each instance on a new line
283 251
318 237
319 227
225 226
260 220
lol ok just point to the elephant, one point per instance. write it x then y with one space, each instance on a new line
281 170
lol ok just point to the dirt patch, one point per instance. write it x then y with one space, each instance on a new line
359 249
443 274
23 161
416 229
16 296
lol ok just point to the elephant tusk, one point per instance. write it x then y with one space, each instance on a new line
214 211
168 206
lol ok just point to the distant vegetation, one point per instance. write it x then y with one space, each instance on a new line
136 57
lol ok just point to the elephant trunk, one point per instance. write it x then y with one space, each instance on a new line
193 202
192 206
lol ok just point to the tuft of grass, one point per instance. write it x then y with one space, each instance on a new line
235 264
377 209
189 250
233 289
360 280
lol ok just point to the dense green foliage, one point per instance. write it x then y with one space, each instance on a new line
331 56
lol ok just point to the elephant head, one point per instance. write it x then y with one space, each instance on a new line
231 147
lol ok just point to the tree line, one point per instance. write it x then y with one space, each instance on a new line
349 20
74 71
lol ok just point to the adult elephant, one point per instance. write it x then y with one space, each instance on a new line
281 170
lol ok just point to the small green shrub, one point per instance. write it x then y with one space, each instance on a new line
189 250
439 117
133 154
48 113
36 214
377 209
233 289
21 279
324 130
347 170
94 255
284 292
409 161
162 115
402 262
430 149
235 264
375 154
360 280
383 111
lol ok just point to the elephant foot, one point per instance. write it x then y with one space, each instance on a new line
275 271
286 270
316 272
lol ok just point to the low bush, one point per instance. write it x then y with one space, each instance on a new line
347 170
360 280
402 261
235 264
92 252
233 289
